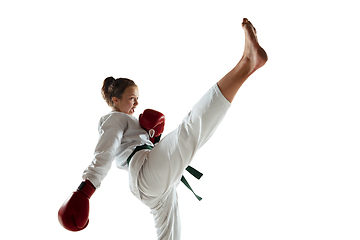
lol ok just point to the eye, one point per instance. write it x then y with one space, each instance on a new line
133 98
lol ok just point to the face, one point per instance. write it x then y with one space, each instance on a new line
128 101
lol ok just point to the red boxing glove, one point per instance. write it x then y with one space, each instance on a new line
74 213
153 122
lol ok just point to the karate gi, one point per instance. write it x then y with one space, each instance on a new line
154 174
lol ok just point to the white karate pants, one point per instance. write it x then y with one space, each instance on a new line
159 170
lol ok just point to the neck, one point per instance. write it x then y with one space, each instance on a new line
116 109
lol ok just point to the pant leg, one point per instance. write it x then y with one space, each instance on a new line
169 158
167 218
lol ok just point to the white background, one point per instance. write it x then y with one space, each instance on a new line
284 164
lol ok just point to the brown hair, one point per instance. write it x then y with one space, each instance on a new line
115 88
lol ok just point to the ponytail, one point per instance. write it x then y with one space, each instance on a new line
114 88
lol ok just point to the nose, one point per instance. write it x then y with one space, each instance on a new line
136 102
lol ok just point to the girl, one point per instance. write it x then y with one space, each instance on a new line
155 173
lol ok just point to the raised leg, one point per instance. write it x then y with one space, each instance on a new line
254 57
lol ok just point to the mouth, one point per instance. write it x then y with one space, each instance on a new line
132 110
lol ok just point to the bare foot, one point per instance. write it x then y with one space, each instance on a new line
254 57
254 54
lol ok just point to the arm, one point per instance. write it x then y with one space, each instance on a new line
73 215
111 133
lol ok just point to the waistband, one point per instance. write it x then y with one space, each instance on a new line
138 148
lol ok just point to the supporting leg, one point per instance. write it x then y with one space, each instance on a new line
254 57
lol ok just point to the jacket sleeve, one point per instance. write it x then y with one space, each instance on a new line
111 131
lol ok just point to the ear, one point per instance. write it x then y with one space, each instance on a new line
115 99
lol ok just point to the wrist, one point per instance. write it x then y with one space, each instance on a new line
87 188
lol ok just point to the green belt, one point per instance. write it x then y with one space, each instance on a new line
191 170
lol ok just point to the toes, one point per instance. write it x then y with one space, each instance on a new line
245 21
